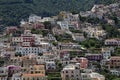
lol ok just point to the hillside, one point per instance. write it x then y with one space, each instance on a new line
12 11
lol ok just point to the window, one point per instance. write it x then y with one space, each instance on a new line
72 75
66 71
31 72
66 75
71 71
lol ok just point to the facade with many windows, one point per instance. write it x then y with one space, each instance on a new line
71 72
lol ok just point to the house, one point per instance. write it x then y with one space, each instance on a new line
85 14
25 40
106 53
38 25
94 57
36 72
3 73
111 22
65 58
112 42
79 37
28 61
43 59
74 25
71 71
49 19
57 30
50 65
50 37
115 62
115 72
69 46
81 60
63 25
92 76
66 16
94 32
29 50
11 29
16 61
34 18
12 70
28 37
105 62
17 76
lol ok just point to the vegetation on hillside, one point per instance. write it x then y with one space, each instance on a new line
12 11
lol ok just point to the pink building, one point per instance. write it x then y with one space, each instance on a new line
83 62
11 29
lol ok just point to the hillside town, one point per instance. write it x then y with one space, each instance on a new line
69 46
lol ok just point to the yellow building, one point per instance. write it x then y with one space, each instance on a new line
36 72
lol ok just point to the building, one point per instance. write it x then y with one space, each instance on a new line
29 50
70 72
3 73
11 29
63 25
92 76
12 70
34 18
38 25
94 57
106 52
25 40
69 46
43 59
83 62
14 61
78 37
36 72
115 62
17 76
50 65
27 61
115 72
94 32
65 58
112 42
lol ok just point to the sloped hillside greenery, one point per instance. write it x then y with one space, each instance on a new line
12 11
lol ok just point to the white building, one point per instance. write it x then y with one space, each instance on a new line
47 19
94 32
92 76
115 72
50 65
106 53
43 59
3 73
63 25
112 42
29 50
17 76
34 18
70 72
17 39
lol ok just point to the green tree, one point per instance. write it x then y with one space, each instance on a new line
47 25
